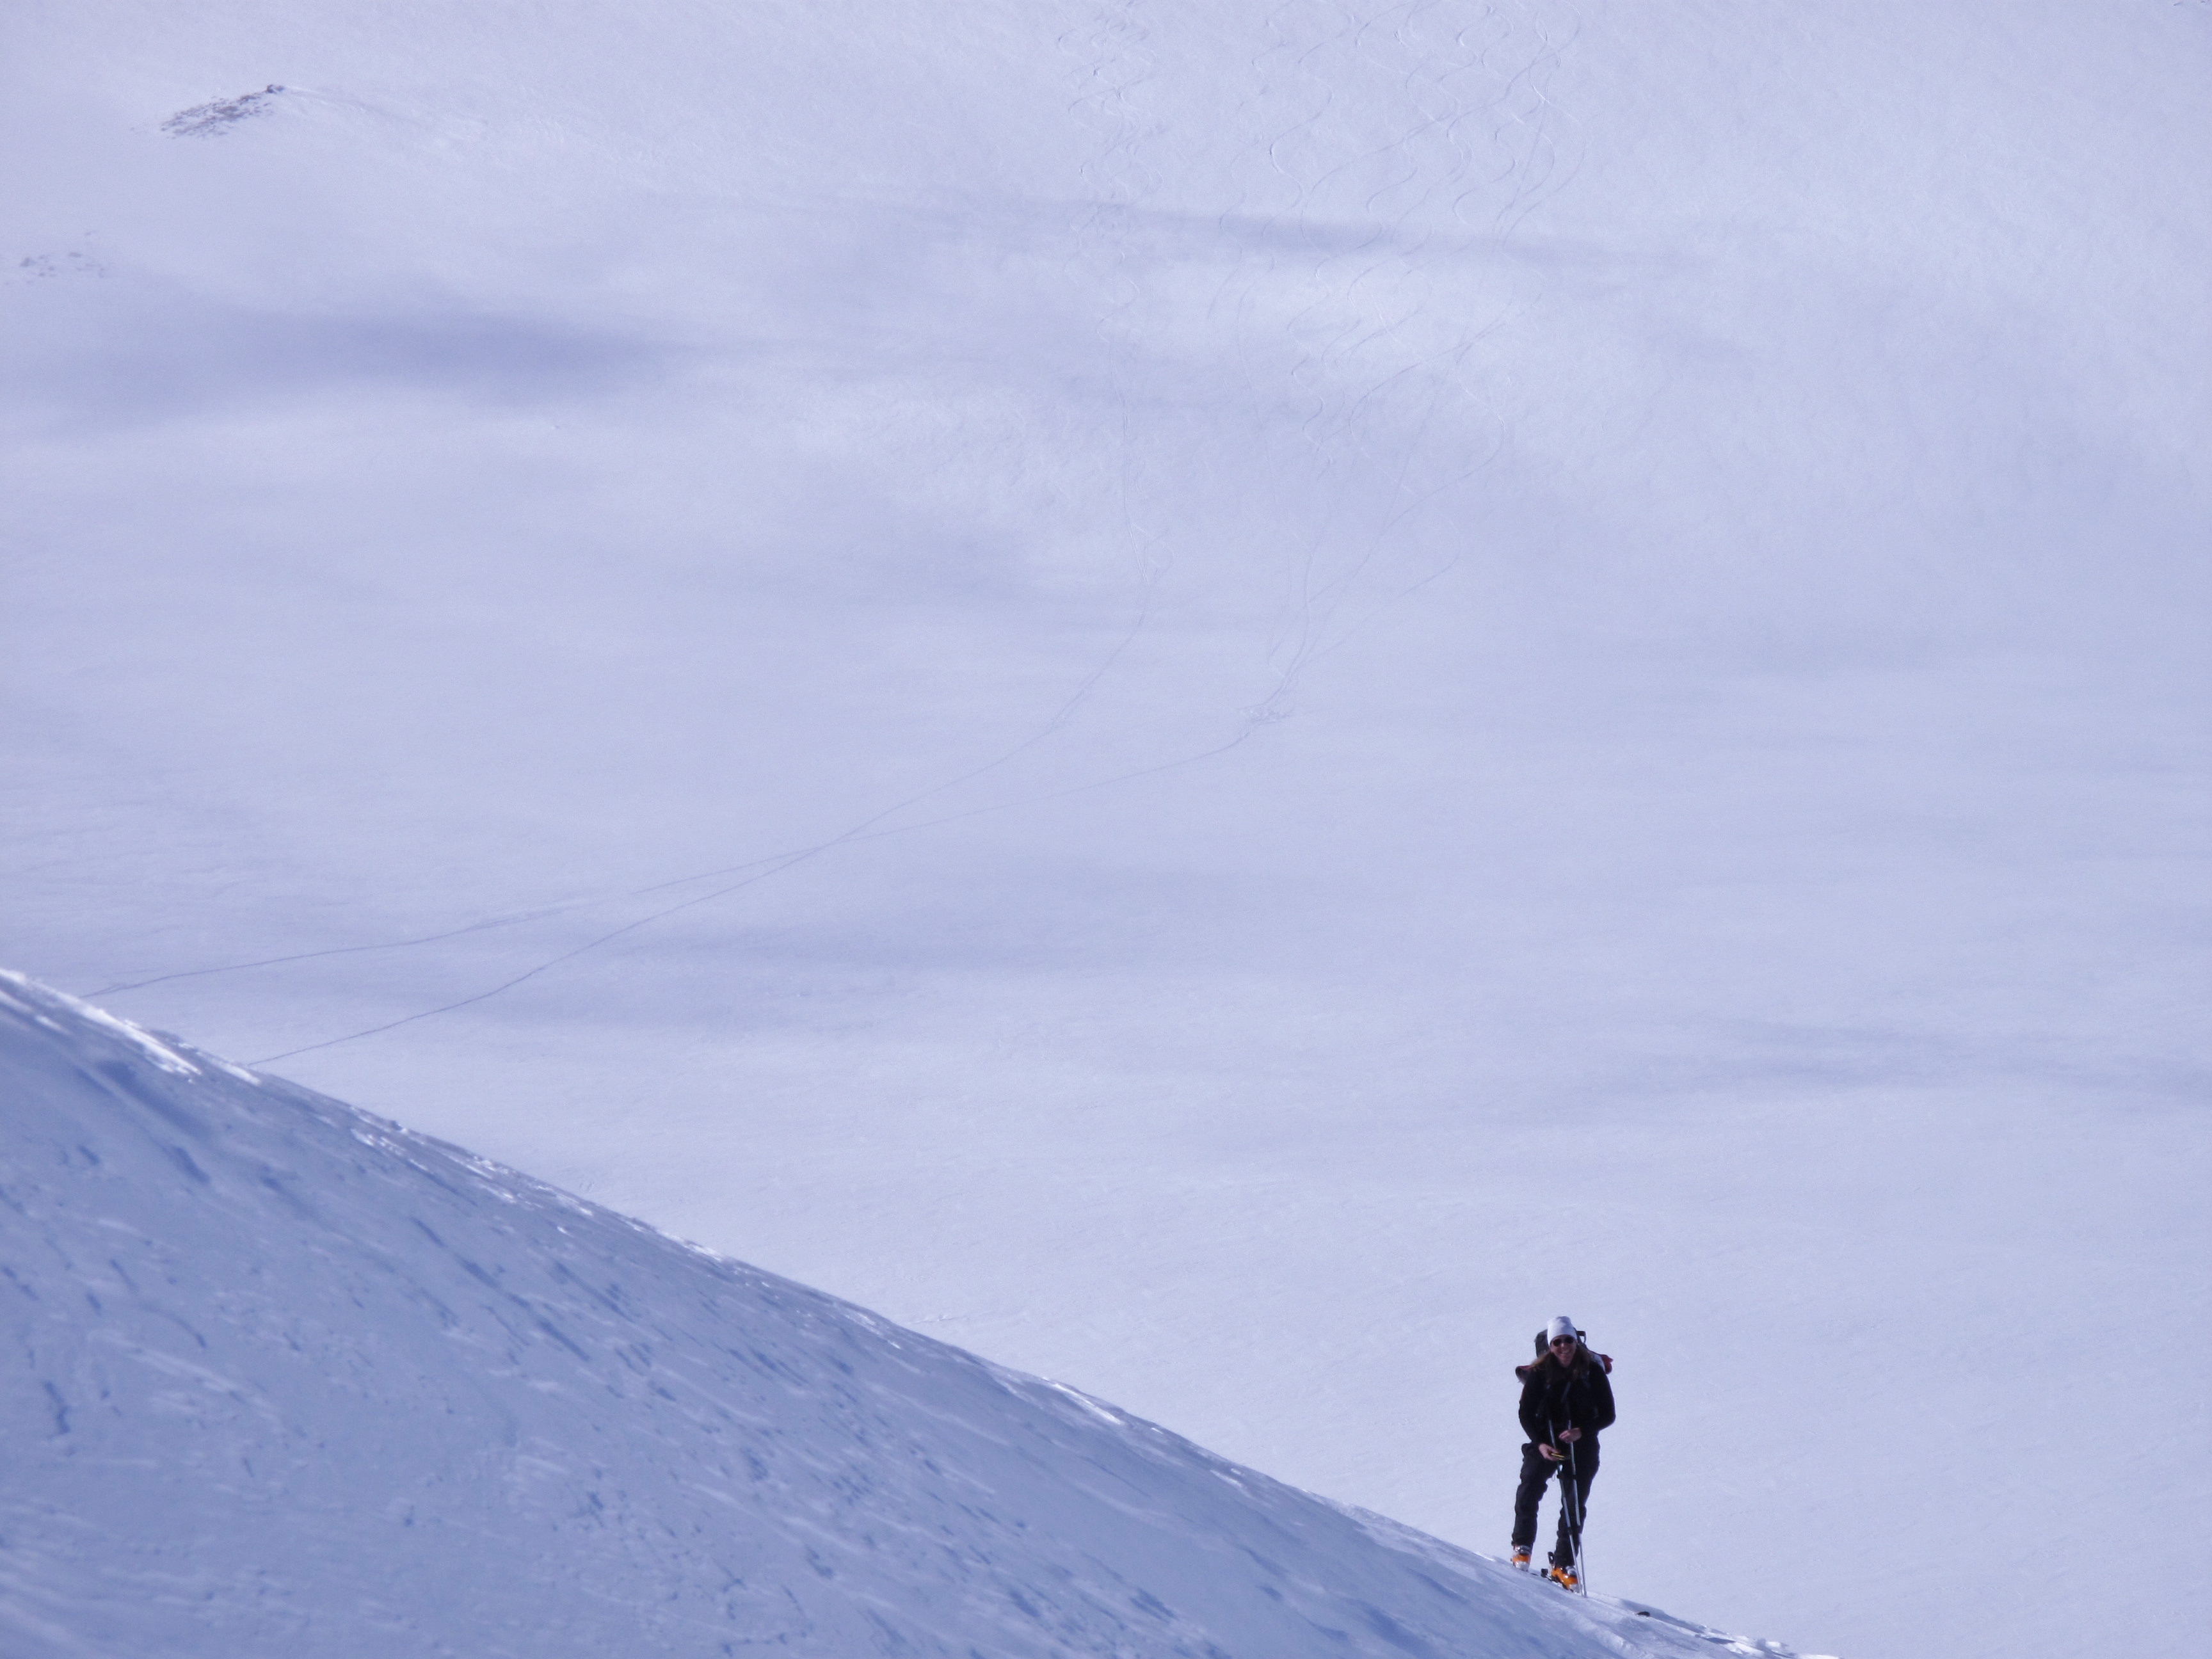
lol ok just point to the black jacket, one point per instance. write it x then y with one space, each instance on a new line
1555 1397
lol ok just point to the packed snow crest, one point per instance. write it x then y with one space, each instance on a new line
286 1378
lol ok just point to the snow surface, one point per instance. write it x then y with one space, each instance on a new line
1321 678
288 1378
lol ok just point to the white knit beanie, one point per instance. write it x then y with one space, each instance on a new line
1561 1327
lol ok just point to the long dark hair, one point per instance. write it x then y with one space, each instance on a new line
1581 1361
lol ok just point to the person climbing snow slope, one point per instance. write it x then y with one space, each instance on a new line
1566 1398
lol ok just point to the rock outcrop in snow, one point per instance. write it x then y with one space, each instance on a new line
286 1378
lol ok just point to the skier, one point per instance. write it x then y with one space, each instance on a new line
1566 1400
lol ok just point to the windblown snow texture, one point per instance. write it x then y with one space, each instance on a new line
285 1378
1220 699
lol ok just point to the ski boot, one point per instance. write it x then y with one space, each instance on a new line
1520 1558
1562 1573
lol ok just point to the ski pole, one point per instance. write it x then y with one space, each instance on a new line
1571 1504
1575 1500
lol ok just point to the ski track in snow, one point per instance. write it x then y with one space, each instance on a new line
1123 185
1257 628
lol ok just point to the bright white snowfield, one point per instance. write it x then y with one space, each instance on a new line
1223 700
294 1380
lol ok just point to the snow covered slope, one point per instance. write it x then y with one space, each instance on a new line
1221 700
284 1378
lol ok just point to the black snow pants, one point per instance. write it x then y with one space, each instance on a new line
1536 1471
